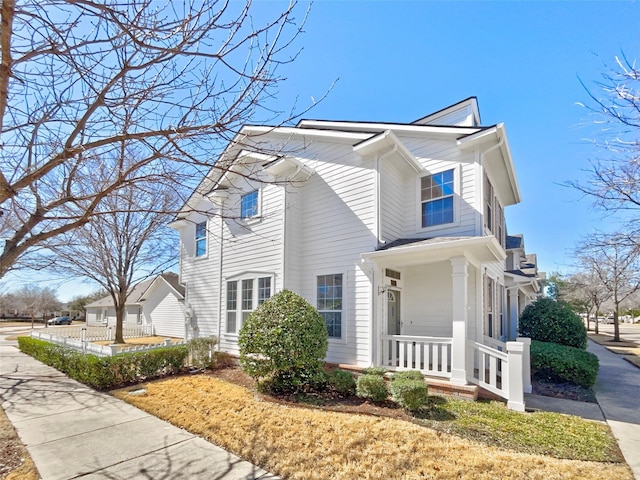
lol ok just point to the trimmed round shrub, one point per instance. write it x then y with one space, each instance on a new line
372 387
547 320
374 371
283 344
408 375
558 363
342 382
409 393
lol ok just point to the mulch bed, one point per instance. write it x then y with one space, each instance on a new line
353 404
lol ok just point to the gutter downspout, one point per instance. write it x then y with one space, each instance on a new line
220 299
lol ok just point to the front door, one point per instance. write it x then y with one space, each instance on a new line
393 312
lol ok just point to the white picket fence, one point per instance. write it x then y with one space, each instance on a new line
84 344
98 333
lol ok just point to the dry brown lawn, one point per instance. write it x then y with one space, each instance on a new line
306 443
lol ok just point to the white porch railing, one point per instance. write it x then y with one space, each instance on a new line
429 355
498 367
501 368
86 346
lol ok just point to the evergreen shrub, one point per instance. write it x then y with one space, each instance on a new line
372 387
552 362
342 382
283 344
547 320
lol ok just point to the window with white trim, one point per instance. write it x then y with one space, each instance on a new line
201 239
247 298
232 306
249 205
329 302
436 197
264 289
252 292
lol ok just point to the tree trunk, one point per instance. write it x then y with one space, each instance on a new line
616 327
120 313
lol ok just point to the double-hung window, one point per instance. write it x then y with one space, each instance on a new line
247 298
201 239
264 289
232 306
242 298
249 205
329 299
436 196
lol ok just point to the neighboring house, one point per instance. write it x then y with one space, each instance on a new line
157 302
394 231
522 281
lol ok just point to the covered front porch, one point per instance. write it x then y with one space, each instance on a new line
430 316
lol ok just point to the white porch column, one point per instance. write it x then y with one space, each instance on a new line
459 276
526 363
514 313
514 380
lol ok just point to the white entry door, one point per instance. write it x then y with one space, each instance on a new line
394 326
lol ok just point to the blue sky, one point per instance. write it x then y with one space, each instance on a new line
398 61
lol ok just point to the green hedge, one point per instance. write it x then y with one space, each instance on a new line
107 372
555 362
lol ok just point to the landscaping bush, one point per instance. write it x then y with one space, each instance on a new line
342 382
372 387
408 375
107 372
549 321
409 393
201 352
374 371
559 363
283 344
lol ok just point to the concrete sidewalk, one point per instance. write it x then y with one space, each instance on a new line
618 393
72 431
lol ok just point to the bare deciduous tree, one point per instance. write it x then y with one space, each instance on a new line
615 261
586 287
614 182
36 300
80 78
128 241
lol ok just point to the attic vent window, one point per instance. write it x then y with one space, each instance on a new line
392 274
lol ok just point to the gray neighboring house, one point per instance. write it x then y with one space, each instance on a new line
156 302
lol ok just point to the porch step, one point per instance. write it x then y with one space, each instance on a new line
443 387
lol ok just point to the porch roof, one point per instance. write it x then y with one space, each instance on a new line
407 252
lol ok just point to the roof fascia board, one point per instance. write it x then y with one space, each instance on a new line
333 134
456 246
385 141
470 101
496 135
153 284
395 127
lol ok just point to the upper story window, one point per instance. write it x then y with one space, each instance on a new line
436 196
493 213
201 239
330 303
249 205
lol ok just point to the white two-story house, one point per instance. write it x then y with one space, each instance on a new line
395 232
